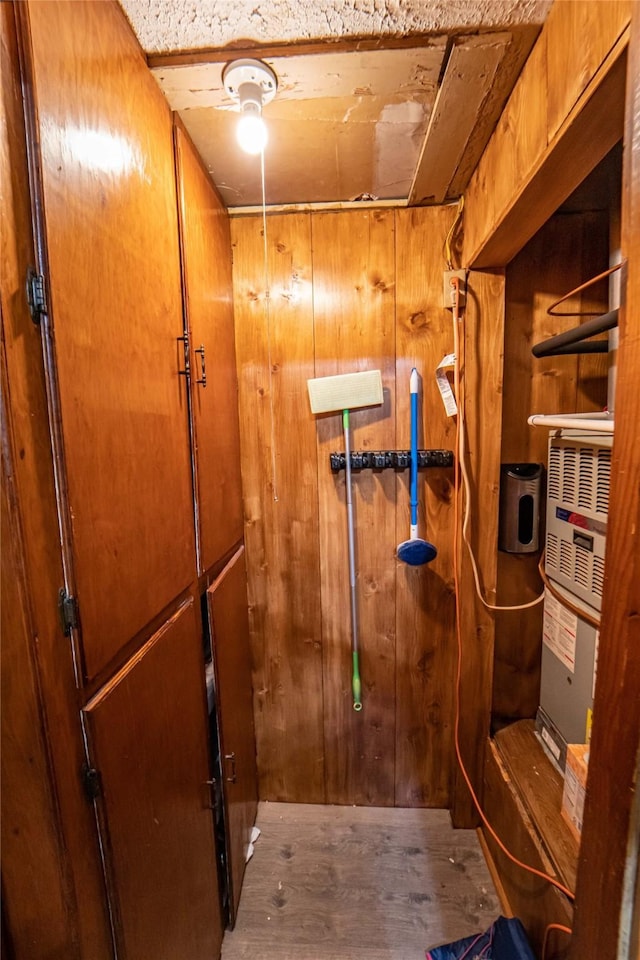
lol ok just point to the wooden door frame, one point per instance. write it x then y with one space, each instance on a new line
616 740
615 747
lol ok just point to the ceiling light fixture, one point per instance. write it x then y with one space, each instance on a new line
251 83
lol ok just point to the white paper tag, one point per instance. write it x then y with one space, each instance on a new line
550 742
559 629
448 399
255 833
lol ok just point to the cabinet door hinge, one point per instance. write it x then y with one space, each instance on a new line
68 608
36 295
91 781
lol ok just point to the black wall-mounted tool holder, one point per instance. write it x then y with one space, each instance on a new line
391 459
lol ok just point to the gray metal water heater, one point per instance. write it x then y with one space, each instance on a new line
520 485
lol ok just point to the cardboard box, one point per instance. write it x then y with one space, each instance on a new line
575 782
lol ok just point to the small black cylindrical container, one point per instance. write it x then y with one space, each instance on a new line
520 485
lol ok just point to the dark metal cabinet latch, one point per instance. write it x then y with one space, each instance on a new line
36 295
231 757
202 379
68 609
185 344
91 781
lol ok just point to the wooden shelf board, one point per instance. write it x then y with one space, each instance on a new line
540 787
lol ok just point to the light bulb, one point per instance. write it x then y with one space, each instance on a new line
252 133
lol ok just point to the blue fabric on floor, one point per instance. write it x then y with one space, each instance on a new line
504 940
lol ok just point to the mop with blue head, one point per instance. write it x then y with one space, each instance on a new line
415 551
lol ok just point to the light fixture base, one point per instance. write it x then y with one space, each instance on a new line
240 72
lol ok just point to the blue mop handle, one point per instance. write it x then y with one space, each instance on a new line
413 388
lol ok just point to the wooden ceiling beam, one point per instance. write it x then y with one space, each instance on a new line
466 84
246 48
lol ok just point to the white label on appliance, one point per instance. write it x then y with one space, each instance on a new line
595 663
559 629
550 742
448 399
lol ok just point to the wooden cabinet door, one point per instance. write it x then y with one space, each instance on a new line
111 257
227 599
147 739
208 305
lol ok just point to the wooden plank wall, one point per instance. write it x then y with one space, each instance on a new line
425 610
482 388
599 23
568 250
354 320
348 291
275 357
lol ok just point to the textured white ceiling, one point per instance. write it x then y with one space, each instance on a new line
169 25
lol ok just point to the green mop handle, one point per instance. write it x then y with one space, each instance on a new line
356 685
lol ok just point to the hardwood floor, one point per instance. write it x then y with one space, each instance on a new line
358 883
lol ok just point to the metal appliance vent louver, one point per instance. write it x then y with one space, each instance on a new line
581 567
598 575
566 558
585 477
553 474
552 552
577 512
568 474
603 481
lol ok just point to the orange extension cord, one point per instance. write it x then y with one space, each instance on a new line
456 579
552 926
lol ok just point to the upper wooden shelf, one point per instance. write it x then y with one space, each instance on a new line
540 788
563 116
